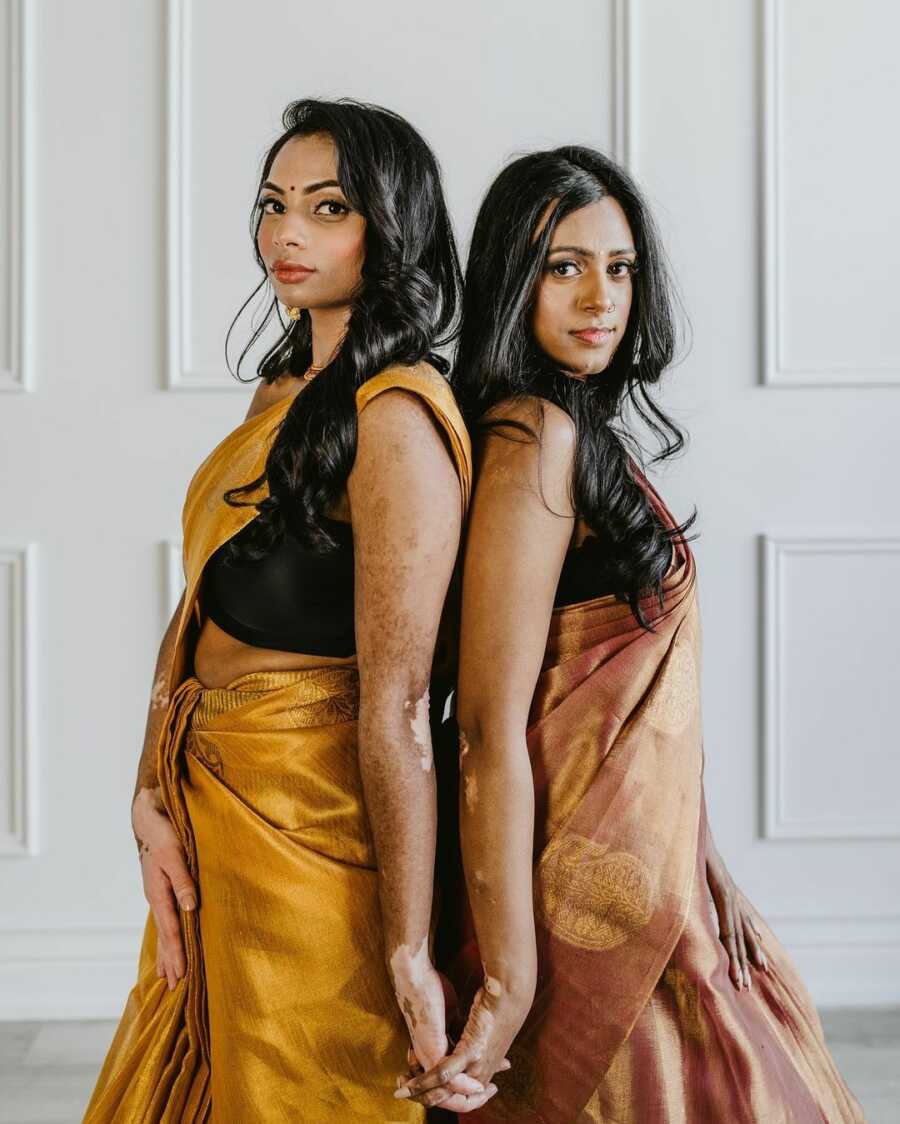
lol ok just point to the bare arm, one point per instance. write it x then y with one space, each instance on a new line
405 506
147 780
520 527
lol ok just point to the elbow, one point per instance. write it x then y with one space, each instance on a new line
397 718
484 724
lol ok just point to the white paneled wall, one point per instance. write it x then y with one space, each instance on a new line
759 132
15 205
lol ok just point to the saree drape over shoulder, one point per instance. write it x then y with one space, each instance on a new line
286 1012
635 1019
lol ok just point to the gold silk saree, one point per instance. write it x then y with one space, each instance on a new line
635 1020
286 1012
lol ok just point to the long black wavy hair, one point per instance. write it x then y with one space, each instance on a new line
498 358
407 306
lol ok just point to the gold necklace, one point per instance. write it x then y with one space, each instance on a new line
310 373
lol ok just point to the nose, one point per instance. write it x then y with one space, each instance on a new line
290 231
595 292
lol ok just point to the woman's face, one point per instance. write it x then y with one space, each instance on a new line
311 241
584 294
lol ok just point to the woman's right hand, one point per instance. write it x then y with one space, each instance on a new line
494 1020
166 880
422 995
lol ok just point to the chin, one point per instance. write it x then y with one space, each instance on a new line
582 370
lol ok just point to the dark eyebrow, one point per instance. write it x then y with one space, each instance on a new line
308 190
589 253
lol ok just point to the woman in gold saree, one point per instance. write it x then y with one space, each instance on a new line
587 949
286 796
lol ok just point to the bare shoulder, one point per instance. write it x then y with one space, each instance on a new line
538 457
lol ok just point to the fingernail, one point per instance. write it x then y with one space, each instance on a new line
190 902
402 1094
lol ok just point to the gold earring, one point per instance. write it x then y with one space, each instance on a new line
293 313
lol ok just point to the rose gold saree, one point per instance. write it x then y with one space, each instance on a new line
286 1012
635 1020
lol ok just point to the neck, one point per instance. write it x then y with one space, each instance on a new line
328 328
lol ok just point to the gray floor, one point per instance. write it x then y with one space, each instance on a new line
47 1070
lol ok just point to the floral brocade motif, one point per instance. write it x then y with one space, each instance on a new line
590 896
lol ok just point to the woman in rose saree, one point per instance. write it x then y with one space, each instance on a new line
587 948
286 795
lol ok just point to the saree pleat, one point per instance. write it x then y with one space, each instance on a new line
286 1012
635 1020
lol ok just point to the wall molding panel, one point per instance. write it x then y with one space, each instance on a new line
18 818
776 370
778 823
14 358
67 973
845 961
82 973
624 16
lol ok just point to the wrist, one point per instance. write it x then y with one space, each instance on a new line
410 966
147 800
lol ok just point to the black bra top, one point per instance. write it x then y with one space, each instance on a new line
293 600
297 600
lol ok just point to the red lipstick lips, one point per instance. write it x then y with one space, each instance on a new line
290 272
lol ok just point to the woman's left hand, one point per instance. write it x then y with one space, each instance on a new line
493 1023
737 929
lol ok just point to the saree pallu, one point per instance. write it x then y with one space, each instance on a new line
635 1020
286 1012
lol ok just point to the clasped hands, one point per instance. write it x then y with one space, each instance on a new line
459 1079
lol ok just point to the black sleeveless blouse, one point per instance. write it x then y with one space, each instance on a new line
293 600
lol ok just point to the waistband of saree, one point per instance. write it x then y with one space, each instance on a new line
323 691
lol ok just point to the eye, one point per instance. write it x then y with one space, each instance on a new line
563 268
629 268
266 201
334 208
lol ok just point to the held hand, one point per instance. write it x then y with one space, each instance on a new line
737 929
494 1021
421 996
166 880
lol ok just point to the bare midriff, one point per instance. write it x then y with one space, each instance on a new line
219 657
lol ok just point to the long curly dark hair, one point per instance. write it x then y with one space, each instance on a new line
406 307
498 358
